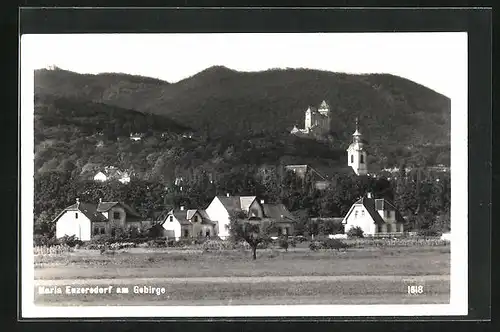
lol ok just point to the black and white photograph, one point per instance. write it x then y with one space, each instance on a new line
244 174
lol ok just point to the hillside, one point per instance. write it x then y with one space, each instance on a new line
390 108
238 118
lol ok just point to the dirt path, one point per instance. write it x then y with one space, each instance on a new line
267 279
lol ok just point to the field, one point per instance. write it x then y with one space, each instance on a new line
229 277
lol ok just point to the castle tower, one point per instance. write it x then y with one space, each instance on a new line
324 109
356 153
309 120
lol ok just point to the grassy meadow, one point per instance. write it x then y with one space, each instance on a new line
231 277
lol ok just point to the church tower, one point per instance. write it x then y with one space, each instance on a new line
356 153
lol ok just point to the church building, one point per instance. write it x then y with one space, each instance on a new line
356 153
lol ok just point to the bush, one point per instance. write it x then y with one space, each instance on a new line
216 245
355 232
69 241
44 240
315 246
428 233
52 250
334 244
283 243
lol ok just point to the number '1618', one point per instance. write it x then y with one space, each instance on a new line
415 289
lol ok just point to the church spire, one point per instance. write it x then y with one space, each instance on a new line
357 133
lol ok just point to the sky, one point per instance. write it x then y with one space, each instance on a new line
430 59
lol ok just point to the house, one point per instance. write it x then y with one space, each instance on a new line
78 220
118 216
86 220
221 207
320 181
136 136
112 173
100 177
374 217
188 223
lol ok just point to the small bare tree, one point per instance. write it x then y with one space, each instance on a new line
252 232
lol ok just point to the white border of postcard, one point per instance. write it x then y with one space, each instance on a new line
459 218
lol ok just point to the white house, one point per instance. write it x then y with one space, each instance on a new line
374 216
112 173
221 207
77 220
85 220
190 223
100 177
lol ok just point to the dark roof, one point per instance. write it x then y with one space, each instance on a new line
181 216
88 209
373 205
106 206
236 203
184 216
277 212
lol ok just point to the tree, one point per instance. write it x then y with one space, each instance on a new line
251 231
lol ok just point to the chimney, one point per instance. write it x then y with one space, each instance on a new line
369 195
227 194
182 208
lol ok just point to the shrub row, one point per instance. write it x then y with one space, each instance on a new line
398 242
52 250
328 244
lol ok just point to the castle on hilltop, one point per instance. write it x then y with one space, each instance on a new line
317 121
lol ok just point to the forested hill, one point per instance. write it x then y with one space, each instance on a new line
83 122
392 110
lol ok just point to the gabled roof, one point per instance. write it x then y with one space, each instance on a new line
184 216
277 212
236 203
181 216
246 201
106 206
373 205
88 209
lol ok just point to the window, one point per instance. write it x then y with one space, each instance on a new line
113 231
363 213
76 215
207 233
361 159
186 233
96 230
103 230
195 218
352 158
356 214
171 218
116 215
